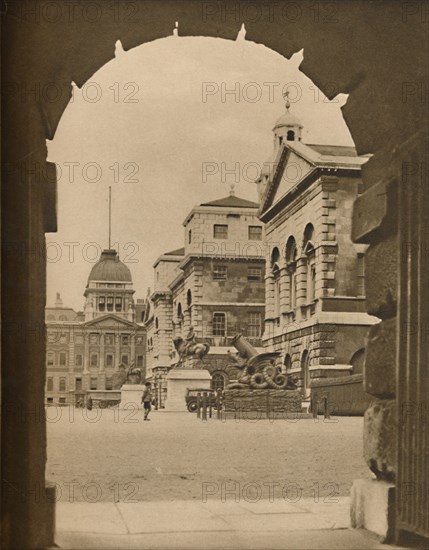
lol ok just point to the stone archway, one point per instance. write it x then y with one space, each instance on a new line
386 113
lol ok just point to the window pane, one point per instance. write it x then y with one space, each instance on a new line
50 358
78 360
125 340
254 325
219 322
62 384
93 384
63 359
220 231
125 359
139 360
254 274
94 360
219 273
109 360
78 384
109 384
50 384
255 232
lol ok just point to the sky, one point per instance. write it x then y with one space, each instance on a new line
158 125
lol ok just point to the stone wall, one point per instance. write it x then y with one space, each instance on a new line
266 401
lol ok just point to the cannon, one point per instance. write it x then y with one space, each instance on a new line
259 370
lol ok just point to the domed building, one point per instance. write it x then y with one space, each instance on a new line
86 349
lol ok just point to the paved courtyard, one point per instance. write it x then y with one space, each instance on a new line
113 456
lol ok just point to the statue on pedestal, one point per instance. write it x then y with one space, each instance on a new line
189 347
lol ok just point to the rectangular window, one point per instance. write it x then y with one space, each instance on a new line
94 359
62 386
78 360
219 272
50 400
254 274
50 360
93 383
255 233
78 384
62 401
101 303
109 303
219 324
50 384
63 359
139 360
220 231
109 384
109 339
125 359
109 360
190 236
125 340
118 304
254 325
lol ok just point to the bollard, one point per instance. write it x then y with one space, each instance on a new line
199 405
210 404
204 415
326 408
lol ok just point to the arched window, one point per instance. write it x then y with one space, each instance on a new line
156 323
189 297
275 270
219 380
290 135
305 373
310 268
291 256
179 312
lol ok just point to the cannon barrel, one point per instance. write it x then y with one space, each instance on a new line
243 346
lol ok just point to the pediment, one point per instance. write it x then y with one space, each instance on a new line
291 170
109 321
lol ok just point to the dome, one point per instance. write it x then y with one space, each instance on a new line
110 268
287 119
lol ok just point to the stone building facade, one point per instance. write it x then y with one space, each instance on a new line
315 291
85 349
215 284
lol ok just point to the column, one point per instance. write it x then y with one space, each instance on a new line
133 348
85 377
102 373
117 353
71 359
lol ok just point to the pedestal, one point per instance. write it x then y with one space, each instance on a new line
179 380
131 396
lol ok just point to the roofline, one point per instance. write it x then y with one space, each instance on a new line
168 258
221 210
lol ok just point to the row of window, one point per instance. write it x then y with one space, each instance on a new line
220 273
110 303
62 384
254 324
93 359
94 339
220 231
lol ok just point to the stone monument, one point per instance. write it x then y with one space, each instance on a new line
188 373
261 386
132 389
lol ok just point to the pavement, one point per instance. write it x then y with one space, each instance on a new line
309 523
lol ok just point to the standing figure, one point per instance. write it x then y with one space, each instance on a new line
147 400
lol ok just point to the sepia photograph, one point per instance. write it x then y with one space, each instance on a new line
215 278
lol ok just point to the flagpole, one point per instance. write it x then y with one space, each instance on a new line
110 215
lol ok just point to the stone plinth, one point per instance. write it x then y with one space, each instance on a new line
372 507
179 380
131 396
263 400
